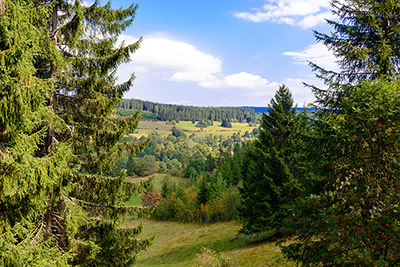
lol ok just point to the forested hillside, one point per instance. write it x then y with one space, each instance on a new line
169 112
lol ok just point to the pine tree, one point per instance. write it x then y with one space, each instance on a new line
270 182
59 134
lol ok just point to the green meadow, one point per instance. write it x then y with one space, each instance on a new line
164 128
177 243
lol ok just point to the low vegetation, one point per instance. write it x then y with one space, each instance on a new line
177 244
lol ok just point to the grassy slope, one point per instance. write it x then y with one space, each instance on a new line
176 244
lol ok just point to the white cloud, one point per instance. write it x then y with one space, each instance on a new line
303 13
182 62
240 80
316 53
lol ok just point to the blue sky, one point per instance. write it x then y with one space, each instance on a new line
225 52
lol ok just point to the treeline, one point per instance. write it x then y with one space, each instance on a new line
169 112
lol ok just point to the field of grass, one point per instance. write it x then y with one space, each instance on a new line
163 128
176 244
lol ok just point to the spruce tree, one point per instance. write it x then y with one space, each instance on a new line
59 134
27 178
347 222
355 220
366 43
270 182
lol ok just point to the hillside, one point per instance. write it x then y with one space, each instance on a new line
169 112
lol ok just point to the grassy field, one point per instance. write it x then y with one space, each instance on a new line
146 127
176 244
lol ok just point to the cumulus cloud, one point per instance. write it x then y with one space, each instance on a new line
303 13
183 62
316 53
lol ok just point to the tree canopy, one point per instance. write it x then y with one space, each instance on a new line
59 133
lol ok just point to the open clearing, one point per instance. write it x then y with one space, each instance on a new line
176 244
164 128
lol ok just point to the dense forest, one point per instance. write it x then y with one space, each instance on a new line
169 112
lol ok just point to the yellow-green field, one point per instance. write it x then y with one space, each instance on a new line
163 128
176 244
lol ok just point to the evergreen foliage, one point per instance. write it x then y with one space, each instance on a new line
356 218
366 42
204 192
353 220
169 112
270 182
226 123
59 134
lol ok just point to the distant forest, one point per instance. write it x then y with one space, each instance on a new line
169 112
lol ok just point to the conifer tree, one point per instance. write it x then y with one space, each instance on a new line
356 219
366 43
59 135
26 177
270 182
348 221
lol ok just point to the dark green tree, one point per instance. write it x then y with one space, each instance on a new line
60 134
204 192
355 220
165 190
226 123
270 182
176 132
366 41
195 167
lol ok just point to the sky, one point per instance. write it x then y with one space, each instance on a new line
225 52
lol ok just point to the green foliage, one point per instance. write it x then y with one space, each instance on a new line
195 167
176 132
198 201
204 123
365 40
204 192
168 112
271 178
226 123
144 115
59 135
356 218
145 166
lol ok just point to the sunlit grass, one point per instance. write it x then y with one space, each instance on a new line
164 128
176 244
